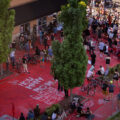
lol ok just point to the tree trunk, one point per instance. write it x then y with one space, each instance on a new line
71 95
7 66
1 69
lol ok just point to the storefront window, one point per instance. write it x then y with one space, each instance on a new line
42 21
25 28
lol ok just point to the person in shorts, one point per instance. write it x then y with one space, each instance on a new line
111 89
104 89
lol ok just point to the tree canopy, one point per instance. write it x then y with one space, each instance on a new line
6 28
70 59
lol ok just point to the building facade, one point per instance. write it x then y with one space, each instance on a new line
32 13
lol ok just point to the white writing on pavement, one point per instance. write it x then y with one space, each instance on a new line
44 91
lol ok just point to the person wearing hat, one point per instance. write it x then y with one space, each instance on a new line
111 89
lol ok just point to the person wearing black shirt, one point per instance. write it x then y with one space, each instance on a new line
37 112
45 41
80 110
89 114
52 36
22 117
37 51
104 88
44 116
108 58
93 58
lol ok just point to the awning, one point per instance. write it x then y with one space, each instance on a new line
34 10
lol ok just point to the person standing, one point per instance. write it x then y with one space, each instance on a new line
108 58
89 114
37 51
22 117
54 115
41 36
45 41
66 92
110 37
106 49
93 58
111 90
24 61
101 70
12 57
44 116
27 47
50 53
101 46
52 36
104 89
30 115
37 112
90 73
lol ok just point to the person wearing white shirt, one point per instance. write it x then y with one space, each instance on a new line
108 31
12 54
111 34
106 50
90 21
12 57
101 46
90 74
54 116
101 71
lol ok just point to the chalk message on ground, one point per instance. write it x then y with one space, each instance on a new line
44 91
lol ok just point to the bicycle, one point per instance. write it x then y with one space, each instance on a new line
31 58
90 88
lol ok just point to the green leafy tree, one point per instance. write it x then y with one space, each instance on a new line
70 59
6 28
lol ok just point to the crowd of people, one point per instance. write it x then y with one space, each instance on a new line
35 114
101 35
76 105
43 50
